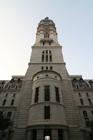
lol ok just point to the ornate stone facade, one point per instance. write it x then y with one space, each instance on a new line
47 103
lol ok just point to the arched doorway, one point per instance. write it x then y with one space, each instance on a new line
47 134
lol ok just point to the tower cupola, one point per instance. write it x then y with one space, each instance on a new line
46 33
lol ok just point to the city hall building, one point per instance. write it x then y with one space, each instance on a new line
47 103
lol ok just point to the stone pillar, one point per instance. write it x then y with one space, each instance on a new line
54 134
65 135
39 134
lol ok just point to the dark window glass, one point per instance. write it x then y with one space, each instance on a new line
36 94
12 102
14 95
57 94
9 114
16 87
87 94
46 51
4 102
47 112
49 51
85 117
50 58
46 67
42 58
50 67
34 134
90 103
47 98
46 58
6 95
9 87
92 112
42 68
79 94
81 101
60 134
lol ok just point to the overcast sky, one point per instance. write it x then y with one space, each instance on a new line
18 25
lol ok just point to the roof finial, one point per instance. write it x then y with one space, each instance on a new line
46 18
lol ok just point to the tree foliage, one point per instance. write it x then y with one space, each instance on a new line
4 121
90 125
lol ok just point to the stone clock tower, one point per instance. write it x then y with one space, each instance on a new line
47 109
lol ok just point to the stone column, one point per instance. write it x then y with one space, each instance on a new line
54 134
39 134
65 135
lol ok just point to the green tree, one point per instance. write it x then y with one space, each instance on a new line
4 121
90 125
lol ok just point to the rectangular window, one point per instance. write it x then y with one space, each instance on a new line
50 67
14 95
47 112
81 101
4 102
92 112
42 58
6 95
12 102
9 114
50 58
47 98
79 94
36 94
87 94
46 58
57 94
90 103
42 68
34 134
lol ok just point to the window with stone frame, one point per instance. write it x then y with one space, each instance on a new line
47 93
57 94
36 94
47 112
9 114
81 101
85 117
12 102
46 56
90 103
4 102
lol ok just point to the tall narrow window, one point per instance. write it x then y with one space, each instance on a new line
79 94
36 94
42 58
47 97
50 67
46 58
4 102
47 112
92 112
81 101
50 58
14 95
46 67
6 95
57 94
90 103
34 134
85 117
42 68
12 102
87 94
9 114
